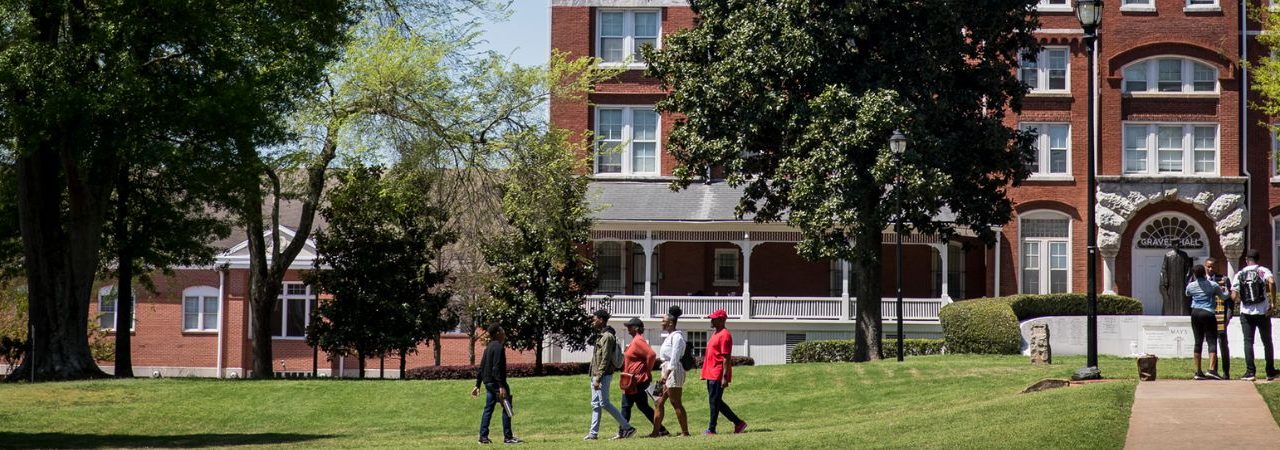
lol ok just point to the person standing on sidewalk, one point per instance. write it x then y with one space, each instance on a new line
1255 289
671 353
717 370
605 360
493 375
637 373
1222 314
1204 328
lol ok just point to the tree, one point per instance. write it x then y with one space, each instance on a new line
542 274
795 101
82 80
377 259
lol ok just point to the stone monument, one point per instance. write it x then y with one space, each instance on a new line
1041 353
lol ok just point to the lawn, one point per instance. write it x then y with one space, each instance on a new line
927 402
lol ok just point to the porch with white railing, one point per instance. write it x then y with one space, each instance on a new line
765 308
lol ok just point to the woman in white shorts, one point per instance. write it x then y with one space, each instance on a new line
673 373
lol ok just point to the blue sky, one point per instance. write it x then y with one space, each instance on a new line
525 37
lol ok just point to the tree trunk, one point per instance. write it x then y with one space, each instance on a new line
60 259
124 284
866 268
436 350
382 367
402 354
361 356
537 359
471 347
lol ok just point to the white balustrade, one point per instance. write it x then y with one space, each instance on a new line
619 305
795 308
769 308
698 306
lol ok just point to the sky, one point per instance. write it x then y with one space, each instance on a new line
525 37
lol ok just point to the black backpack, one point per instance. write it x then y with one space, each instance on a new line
686 360
1253 289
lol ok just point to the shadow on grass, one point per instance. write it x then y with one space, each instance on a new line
76 440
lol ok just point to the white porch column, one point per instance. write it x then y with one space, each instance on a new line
746 246
1109 271
649 247
844 290
945 294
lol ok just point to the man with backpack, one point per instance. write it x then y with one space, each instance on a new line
606 359
1253 286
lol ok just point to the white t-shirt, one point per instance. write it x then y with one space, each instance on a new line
671 351
1255 309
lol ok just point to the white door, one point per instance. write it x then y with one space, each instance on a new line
1146 281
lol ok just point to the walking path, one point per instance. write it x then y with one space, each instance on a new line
1200 414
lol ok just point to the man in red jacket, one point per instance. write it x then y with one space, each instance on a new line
717 369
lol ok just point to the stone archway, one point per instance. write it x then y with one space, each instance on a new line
1120 199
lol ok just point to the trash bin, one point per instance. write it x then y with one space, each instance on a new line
1147 367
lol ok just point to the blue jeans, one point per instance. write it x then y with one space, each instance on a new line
600 400
715 394
490 402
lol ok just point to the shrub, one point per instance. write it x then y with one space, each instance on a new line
1028 307
513 371
984 326
842 350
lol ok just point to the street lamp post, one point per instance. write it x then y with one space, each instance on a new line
898 145
1089 12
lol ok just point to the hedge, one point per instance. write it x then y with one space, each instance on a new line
522 370
990 325
842 350
984 326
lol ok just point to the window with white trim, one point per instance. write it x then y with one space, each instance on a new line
107 296
1053 5
1170 75
1046 253
621 34
1136 3
1053 148
610 267
1275 152
1275 244
292 312
200 309
697 340
726 267
1202 4
627 140
1170 148
1047 72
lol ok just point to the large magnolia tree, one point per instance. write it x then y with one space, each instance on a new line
795 100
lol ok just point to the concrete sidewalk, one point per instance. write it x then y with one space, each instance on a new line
1200 414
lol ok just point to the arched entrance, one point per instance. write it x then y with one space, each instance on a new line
1155 238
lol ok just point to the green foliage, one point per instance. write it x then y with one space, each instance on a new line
842 350
377 260
795 100
542 276
1028 307
984 326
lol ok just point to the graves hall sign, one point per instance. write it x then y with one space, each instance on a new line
1170 232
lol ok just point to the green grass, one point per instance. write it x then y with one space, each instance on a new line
927 402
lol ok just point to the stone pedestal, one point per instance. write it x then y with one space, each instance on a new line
1041 353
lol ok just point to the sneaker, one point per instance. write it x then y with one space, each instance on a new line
740 427
1272 376
664 433
1248 376
590 437
1200 376
708 433
1212 375
628 433
485 440
512 440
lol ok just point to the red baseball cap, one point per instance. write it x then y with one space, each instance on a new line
718 314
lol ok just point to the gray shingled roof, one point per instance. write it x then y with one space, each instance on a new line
655 201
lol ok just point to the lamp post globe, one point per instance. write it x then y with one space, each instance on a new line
1089 12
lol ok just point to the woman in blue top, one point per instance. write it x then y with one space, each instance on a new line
1204 324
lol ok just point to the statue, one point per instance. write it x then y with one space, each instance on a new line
1173 283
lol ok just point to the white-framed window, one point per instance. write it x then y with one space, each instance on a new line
200 308
1275 244
1275 153
726 267
955 272
1045 241
107 308
292 313
627 140
1170 148
836 273
1048 71
1053 5
1137 5
1170 75
1202 5
610 266
1053 149
697 340
621 33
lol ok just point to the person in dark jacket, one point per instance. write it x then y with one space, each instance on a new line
493 375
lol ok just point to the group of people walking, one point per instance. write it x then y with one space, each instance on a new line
1213 299
633 368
